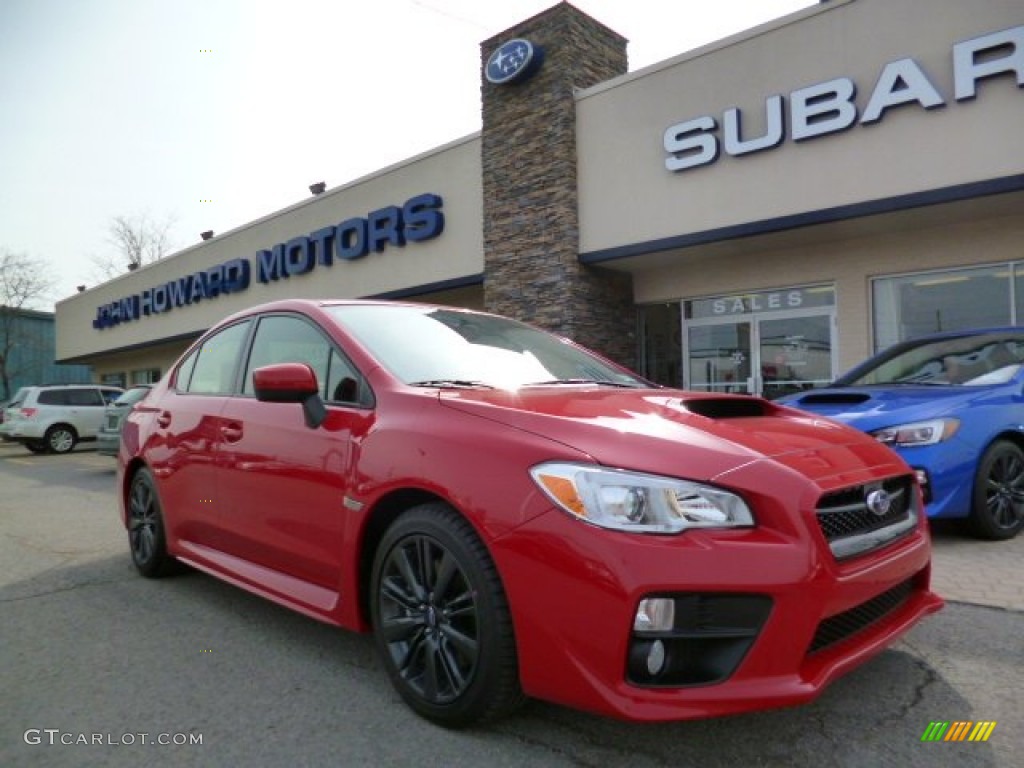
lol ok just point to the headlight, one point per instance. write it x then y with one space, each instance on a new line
636 502
918 433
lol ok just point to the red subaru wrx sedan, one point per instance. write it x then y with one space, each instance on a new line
511 515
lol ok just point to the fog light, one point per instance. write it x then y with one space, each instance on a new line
921 475
656 658
655 614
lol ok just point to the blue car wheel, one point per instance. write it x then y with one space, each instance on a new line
997 510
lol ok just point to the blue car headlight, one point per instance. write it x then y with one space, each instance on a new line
918 433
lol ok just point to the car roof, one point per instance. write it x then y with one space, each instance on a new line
313 306
74 386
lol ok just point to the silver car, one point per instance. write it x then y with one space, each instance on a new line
53 419
108 439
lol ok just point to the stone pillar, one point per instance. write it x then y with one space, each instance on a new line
531 221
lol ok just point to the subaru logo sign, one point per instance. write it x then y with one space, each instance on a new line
513 61
879 502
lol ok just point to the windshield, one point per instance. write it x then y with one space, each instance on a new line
968 361
434 346
133 395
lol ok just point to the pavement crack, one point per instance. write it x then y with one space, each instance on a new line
929 677
57 591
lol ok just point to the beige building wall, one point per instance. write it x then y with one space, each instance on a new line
628 197
452 172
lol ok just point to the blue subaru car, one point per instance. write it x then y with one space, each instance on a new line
952 405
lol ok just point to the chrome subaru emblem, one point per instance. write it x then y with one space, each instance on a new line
879 502
515 60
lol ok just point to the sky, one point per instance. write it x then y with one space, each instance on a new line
209 114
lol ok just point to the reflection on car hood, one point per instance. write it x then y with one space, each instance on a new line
870 408
653 430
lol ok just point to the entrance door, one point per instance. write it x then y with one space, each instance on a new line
794 353
769 353
719 357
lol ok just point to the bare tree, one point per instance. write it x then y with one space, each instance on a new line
25 284
135 240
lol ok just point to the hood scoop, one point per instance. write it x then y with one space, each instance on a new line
835 398
727 408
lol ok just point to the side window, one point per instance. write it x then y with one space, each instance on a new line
84 397
283 339
53 397
184 374
213 372
343 381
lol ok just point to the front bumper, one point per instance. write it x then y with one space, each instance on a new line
574 592
950 477
108 443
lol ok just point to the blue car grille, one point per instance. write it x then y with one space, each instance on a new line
855 520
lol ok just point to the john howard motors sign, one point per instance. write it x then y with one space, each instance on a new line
420 218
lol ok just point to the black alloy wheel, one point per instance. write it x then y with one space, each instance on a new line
146 537
998 505
441 620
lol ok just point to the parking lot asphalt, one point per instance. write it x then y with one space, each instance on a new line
966 570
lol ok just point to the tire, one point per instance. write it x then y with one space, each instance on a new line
441 620
37 446
60 438
147 539
997 504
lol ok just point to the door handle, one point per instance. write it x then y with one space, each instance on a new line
164 420
231 432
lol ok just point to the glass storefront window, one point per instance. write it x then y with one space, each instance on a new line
113 379
720 357
795 354
146 376
766 343
909 306
661 350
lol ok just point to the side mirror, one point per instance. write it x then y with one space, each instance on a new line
291 383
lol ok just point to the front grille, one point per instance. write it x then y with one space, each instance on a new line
848 623
853 526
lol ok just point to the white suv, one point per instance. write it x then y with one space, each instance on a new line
45 419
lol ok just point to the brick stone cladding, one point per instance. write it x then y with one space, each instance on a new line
531 224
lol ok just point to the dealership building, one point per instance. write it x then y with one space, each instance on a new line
756 215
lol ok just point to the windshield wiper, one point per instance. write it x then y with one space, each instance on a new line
903 383
601 382
916 383
450 383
